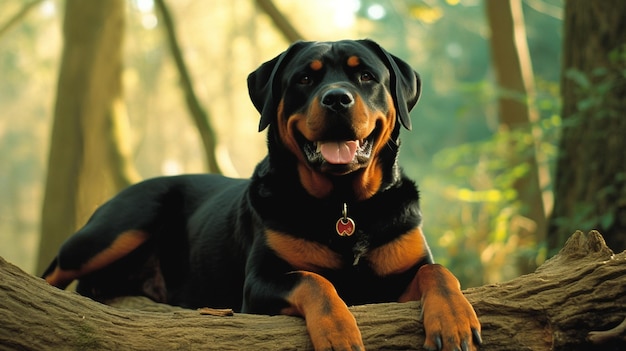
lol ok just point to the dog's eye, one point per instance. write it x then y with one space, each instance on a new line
305 79
366 76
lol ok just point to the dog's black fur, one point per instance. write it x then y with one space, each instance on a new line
270 244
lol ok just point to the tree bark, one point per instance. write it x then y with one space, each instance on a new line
514 76
582 289
590 181
90 158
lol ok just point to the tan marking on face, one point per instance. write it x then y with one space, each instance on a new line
316 65
363 119
311 124
285 131
316 184
370 181
353 61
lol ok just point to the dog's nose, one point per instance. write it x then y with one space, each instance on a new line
337 99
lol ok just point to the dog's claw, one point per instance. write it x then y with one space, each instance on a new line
476 335
464 346
435 342
438 344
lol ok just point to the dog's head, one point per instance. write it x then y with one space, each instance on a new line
335 106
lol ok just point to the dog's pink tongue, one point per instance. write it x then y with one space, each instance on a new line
341 152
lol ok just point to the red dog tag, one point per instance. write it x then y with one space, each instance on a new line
345 226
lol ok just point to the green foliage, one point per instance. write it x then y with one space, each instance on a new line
593 91
586 215
456 152
593 88
472 209
473 203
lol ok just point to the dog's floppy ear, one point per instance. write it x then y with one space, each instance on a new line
264 85
405 82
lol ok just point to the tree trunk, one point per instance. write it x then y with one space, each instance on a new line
514 75
89 157
580 290
199 114
590 182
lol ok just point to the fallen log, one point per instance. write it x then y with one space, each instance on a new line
574 301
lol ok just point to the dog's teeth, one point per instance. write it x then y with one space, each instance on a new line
318 146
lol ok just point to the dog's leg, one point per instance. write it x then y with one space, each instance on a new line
449 320
118 228
330 324
69 266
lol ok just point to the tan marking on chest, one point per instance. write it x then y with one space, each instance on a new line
302 254
398 255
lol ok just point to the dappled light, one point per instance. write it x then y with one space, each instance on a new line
483 219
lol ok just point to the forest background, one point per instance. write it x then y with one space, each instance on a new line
469 163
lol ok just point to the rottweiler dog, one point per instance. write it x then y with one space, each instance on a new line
327 220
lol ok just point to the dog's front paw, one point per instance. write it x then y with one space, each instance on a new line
449 319
335 332
450 324
330 323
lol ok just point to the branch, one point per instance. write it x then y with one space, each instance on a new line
200 116
281 22
18 16
582 289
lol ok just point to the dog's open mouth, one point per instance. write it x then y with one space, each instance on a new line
337 156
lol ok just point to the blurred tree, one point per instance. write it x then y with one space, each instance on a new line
475 222
454 151
513 68
89 155
283 25
590 182
18 17
199 114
